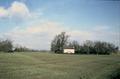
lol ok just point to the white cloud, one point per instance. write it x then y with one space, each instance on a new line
17 9
3 12
101 28
39 35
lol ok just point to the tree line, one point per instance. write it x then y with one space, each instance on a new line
61 41
7 46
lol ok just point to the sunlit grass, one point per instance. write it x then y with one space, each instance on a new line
57 66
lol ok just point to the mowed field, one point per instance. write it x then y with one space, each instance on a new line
57 66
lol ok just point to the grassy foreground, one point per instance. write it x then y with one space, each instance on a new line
57 66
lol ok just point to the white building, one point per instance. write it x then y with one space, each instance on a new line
69 50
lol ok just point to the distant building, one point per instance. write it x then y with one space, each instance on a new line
69 50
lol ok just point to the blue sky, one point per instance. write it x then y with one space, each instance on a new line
23 20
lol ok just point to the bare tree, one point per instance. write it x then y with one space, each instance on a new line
74 44
58 43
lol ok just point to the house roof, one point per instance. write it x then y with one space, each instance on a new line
68 47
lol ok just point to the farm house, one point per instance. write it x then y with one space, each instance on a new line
69 50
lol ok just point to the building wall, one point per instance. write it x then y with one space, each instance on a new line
69 50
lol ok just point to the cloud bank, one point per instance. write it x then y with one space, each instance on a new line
40 35
17 9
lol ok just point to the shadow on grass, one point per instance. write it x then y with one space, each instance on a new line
115 75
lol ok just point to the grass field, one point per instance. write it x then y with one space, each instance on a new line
57 66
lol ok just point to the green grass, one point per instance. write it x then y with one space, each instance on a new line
57 66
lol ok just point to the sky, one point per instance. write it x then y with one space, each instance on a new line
34 23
